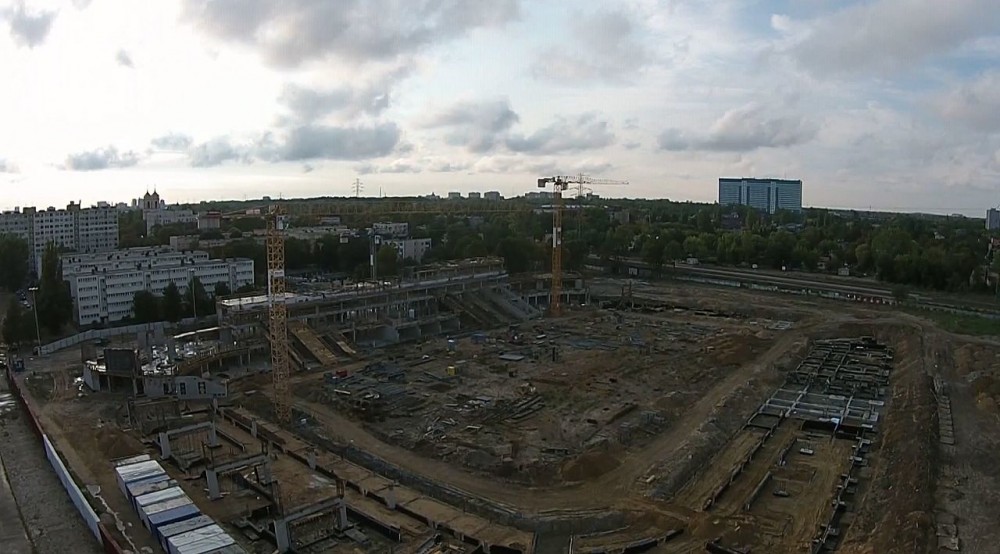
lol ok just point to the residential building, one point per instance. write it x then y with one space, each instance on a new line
454 195
77 229
769 195
992 219
210 220
475 196
155 212
410 248
330 220
492 195
103 285
388 229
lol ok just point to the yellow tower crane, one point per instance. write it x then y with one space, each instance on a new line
560 183
278 313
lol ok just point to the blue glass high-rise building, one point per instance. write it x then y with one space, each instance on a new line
769 195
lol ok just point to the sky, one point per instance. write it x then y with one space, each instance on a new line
880 104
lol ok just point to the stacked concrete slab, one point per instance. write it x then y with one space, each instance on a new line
167 512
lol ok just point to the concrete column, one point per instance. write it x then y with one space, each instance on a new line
341 515
164 441
213 436
253 428
390 497
265 473
311 457
281 537
212 478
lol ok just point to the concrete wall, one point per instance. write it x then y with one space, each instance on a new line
74 492
185 387
94 334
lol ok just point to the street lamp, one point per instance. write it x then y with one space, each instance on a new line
34 308
194 307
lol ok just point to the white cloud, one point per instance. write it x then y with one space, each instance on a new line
886 36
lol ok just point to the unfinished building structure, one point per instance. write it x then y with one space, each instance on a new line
438 299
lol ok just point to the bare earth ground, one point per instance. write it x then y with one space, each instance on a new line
912 479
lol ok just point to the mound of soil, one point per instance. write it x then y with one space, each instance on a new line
589 465
116 444
896 514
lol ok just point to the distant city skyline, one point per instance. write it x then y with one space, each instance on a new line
207 102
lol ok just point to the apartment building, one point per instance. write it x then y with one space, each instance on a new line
78 229
103 286
769 195
389 229
410 248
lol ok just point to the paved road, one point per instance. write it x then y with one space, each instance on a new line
13 535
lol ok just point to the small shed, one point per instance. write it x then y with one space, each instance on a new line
181 527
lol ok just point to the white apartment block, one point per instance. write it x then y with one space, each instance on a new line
167 217
392 229
410 248
103 286
74 228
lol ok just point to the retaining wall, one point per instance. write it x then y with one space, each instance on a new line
101 534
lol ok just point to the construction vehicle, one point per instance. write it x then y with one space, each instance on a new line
560 183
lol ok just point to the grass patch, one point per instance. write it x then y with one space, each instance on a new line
960 323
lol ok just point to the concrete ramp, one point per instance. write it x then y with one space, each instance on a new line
312 342
342 343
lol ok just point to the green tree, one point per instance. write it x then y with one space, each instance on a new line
18 325
146 306
387 261
673 251
172 303
55 304
221 289
14 258
517 253
202 302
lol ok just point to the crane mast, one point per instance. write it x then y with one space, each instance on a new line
278 313
560 183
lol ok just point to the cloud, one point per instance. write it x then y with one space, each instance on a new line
218 151
308 105
100 158
886 36
26 28
572 134
123 58
975 103
742 130
301 144
81 4
6 166
172 142
540 166
605 48
476 126
289 33
310 142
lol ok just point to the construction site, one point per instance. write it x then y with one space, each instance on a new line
463 410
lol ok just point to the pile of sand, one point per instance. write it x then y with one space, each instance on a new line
589 465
